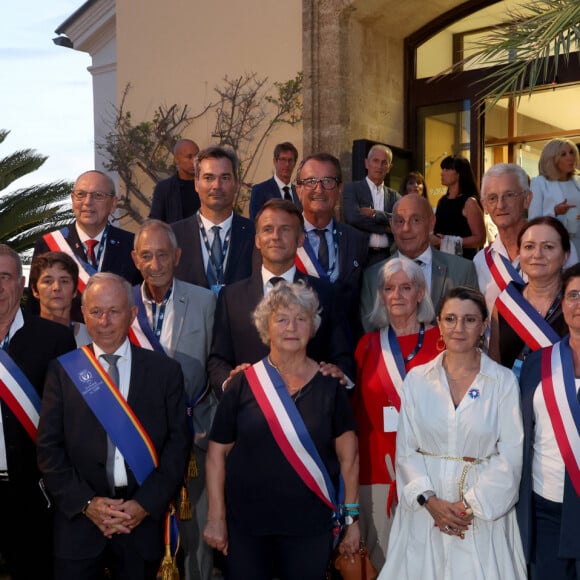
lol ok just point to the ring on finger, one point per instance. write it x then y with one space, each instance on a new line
447 528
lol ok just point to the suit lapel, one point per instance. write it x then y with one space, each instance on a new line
75 242
179 310
438 275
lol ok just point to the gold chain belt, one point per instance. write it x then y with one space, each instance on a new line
469 463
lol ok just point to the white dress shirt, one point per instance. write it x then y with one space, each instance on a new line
124 367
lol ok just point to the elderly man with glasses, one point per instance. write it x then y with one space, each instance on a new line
95 244
506 197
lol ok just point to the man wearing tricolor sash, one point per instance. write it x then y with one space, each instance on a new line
549 504
506 197
177 318
94 244
113 443
331 250
28 344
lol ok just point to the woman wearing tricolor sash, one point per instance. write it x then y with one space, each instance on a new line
283 458
403 311
528 317
549 504
459 459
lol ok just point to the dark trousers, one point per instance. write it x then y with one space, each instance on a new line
291 557
26 531
546 565
119 557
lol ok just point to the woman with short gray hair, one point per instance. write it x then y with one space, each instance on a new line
288 435
403 312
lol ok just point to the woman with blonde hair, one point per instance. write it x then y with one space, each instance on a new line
557 189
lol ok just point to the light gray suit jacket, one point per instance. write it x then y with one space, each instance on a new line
194 309
447 272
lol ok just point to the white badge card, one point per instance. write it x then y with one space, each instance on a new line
390 419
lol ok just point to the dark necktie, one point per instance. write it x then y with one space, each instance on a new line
113 372
274 280
419 263
287 194
323 250
91 244
216 258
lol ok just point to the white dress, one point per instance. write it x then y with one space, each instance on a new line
486 422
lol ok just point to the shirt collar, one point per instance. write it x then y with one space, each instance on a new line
225 225
288 275
148 300
83 236
281 184
308 227
123 351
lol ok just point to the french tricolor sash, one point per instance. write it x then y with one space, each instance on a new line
501 269
289 430
110 408
559 389
307 261
141 334
524 319
19 395
391 366
56 241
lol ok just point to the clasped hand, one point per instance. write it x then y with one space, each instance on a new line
453 519
115 516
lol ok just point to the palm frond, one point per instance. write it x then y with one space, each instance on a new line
535 38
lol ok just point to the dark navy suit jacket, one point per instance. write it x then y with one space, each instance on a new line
239 260
262 192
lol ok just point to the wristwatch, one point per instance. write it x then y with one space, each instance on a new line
349 520
424 497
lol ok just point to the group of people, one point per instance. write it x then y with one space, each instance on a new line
294 385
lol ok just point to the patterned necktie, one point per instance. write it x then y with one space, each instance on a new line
323 250
113 372
216 261
91 244
287 194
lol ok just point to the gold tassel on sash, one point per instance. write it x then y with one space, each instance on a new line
192 470
168 569
185 509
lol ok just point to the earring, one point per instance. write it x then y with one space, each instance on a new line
440 344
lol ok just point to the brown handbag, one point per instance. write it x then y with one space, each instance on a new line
360 569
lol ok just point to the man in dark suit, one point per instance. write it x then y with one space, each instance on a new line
367 204
337 251
217 244
236 343
104 517
31 343
91 239
175 198
279 186
412 224
183 315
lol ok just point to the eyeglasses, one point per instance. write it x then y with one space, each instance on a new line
289 160
80 195
572 296
327 183
97 313
507 197
449 321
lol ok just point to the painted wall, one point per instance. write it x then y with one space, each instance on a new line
179 54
